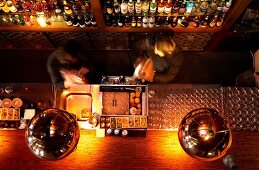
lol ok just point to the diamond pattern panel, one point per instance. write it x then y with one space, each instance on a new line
192 41
58 37
242 108
168 107
5 43
110 40
28 40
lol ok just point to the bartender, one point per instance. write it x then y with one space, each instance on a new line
69 65
156 59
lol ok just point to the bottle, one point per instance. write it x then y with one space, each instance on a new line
124 7
127 21
109 7
220 20
85 6
145 21
168 7
18 5
114 20
203 6
227 6
220 5
195 21
67 7
131 7
139 22
153 7
108 20
211 7
182 8
166 22
68 20
189 6
75 20
81 21
158 21
138 7
121 21
145 7
92 20
213 21
116 7
58 6
174 21
175 7
151 21
183 22
133 22
205 21
87 19
27 6
160 7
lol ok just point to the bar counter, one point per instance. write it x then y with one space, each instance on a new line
159 150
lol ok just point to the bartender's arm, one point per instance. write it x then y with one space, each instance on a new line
172 71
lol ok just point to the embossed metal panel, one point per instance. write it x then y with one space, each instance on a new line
242 108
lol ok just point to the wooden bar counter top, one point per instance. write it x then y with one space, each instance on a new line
160 149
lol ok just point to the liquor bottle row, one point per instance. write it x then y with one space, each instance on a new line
166 7
157 21
87 20
45 6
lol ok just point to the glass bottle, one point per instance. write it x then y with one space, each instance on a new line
158 21
183 22
68 19
182 8
195 21
153 7
108 20
174 21
212 7
75 20
109 7
204 22
145 7
213 21
139 22
87 19
58 6
168 7
133 22
92 20
81 21
166 22
220 20
220 5
138 7
175 7
131 7
151 21
67 7
127 21
145 21
203 6
121 21
189 6
26 6
114 20
227 5
117 7
124 7
160 7
18 5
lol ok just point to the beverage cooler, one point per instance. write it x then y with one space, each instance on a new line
116 107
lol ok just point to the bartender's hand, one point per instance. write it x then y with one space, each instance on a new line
147 72
73 77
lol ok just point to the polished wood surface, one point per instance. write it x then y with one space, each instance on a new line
159 150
